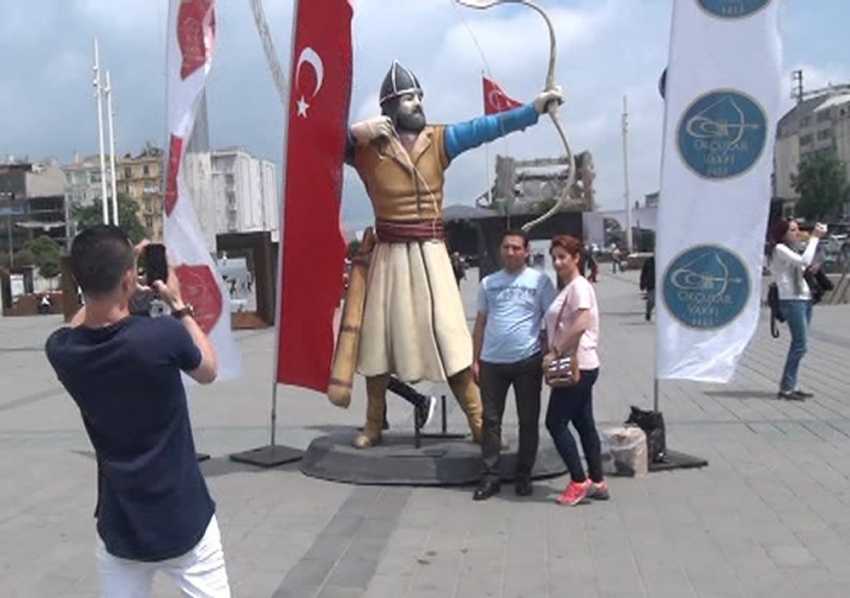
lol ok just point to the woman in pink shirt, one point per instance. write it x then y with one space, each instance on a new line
575 331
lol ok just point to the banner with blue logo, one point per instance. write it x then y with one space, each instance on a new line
722 93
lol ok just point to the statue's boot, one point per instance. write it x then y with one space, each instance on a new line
376 405
466 392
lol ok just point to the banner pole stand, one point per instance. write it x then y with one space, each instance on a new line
655 394
273 454
671 459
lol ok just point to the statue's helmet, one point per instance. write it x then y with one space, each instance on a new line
399 81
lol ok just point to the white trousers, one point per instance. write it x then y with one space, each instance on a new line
200 573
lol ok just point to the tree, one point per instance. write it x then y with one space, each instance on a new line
43 249
353 248
24 257
822 185
45 256
128 217
50 269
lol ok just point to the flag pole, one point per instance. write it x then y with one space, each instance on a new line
274 455
626 193
99 97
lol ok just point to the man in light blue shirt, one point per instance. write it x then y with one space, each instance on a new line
507 351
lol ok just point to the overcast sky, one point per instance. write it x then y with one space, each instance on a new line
608 49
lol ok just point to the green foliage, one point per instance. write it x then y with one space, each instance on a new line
50 268
822 185
24 257
42 248
128 218
353 248
45 254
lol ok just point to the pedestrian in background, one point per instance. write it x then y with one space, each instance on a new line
795 298
647 284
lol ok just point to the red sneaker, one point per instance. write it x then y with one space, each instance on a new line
599 491
574 493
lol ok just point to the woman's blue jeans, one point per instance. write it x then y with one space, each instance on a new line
575 405
798 315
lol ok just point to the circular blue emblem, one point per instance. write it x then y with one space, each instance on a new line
733 9
722 134
706 287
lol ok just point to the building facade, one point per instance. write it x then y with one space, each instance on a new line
817 124
140 179
32 204
245 192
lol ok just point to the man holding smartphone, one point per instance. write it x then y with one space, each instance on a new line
154 512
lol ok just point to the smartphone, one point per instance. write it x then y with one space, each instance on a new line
156 265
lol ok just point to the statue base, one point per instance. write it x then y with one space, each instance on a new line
397 461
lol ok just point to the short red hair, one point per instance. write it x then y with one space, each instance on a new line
572 246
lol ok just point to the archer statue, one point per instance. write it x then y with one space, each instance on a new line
412 322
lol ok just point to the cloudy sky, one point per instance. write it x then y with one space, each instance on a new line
608 49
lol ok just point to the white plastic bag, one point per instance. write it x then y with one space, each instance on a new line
624 451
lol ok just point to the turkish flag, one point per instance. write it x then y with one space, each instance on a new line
496 100
313 246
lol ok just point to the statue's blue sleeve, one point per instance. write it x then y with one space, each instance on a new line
470 134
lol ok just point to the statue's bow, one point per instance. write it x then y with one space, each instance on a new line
554 112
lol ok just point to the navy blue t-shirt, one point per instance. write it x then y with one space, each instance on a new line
153 502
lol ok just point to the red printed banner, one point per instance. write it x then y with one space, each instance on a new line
496 100
191 40
312 244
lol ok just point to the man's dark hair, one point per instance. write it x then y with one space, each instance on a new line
100 256
517 232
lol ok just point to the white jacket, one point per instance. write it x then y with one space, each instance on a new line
788 266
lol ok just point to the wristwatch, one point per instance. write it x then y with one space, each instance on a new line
186 310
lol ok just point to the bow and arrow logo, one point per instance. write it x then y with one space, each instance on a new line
706 287
722 134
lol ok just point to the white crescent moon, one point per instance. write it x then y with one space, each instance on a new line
310 56
495 98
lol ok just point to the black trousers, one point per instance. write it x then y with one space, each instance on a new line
575 405
526 377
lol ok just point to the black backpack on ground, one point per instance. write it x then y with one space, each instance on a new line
652 423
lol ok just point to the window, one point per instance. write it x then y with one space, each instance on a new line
806 121
825 134
94 176
823 116
148 204
146 170
806 139
149 222
128 172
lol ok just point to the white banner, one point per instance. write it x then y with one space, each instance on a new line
722 101
191 37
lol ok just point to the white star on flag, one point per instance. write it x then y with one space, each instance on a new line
302 107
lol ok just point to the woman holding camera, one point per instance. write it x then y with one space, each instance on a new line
572 328
795 298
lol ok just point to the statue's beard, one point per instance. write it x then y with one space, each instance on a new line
412 122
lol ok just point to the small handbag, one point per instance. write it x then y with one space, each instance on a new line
563 371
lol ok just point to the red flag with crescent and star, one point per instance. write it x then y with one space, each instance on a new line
313 247
496 100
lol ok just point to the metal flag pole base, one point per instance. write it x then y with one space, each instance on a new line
668 459
273 454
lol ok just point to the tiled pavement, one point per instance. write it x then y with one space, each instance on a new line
768 517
